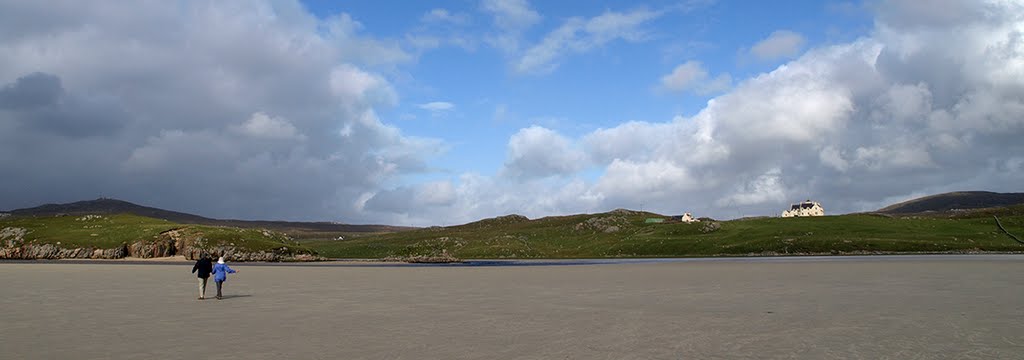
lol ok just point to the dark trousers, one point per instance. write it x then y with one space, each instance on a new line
219 284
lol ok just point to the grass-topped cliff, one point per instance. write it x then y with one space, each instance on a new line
625 234
114 236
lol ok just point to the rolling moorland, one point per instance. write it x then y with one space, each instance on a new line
947 223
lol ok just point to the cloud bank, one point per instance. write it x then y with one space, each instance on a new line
931 101
258 109
230 109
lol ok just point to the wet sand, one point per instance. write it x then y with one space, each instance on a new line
918 307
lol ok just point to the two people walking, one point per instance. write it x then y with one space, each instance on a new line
204 267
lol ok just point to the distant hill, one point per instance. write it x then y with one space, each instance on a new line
624 233
953 201
113 206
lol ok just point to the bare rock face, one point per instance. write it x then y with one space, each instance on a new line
710 227
13 236
50 251
168 243
163 247
605 224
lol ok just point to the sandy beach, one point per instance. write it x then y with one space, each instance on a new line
919 307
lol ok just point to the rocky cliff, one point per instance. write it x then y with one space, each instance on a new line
169 243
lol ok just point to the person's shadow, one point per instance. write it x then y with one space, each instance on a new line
225 297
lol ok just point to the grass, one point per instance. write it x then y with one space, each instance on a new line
249 239
571 237
102 232
614 234
110 231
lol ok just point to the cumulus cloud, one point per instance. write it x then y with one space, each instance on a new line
261 125
780 44
579 35
540 152
922 105
929 101
229 109
692 75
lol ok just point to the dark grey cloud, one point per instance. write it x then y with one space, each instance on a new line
38 102
911 14
31 91
245 109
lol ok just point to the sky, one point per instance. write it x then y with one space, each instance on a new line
446 112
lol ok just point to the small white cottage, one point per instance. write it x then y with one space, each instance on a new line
806 208
688 218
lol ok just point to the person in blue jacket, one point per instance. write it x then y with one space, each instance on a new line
220 274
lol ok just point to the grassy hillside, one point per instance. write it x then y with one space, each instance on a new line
109 231
625 234
954 201
89 231
297 229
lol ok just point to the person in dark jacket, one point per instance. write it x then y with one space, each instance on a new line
202 269
220 274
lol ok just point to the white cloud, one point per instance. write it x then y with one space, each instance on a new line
439 15
354 86
766 188
343 31
537 152
692 75
910 110
684 76
441 27
261 125
780 44
645 180
512 18
578 35
437 106
929 101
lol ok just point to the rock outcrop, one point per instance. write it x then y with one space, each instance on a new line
160 248
50 251
605 224
168 243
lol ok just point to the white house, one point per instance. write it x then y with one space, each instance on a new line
687 218
806 208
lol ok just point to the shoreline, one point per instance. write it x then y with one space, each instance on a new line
179 260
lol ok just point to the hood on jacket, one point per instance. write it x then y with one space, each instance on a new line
221 260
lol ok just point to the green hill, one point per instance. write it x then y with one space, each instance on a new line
620 233
121 235
955 201
105 206
624 233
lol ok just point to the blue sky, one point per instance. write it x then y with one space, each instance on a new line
601 87
439 113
